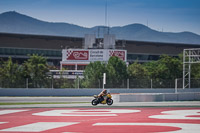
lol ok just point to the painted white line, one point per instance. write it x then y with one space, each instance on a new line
3 122
9 111
178 114
185 128
39 126
71 132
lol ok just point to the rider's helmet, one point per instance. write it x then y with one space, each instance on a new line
104 91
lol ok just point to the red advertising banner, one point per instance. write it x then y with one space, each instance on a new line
118 53
77 55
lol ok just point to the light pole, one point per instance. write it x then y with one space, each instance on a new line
104 79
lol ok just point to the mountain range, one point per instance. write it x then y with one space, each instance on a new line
14 22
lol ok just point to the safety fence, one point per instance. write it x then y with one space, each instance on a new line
80 83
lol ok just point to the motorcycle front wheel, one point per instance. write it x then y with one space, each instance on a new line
109 101
94 102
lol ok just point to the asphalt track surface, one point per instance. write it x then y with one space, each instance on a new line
65 102
130 117
100 120
44 99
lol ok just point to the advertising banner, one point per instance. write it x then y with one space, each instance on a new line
97 55
87 55
119 53
76 54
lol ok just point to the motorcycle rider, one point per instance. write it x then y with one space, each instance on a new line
102 95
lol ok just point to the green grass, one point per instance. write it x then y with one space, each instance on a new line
40 103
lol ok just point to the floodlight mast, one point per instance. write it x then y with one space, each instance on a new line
106 15
190 56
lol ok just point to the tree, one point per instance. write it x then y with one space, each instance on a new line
173 66
138 76
116 72
152 70
164 71
166 67
195 71
137 71
93 74
11 74
35 68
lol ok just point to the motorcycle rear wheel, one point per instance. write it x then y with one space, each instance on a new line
109 102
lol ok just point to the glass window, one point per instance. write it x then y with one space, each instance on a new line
81 67
69 67
7 51
2 51
132 57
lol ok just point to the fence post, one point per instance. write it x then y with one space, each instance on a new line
151 84
176 80
78 82
99 83
52 81
27 83
127 83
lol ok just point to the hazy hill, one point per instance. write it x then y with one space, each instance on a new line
13 22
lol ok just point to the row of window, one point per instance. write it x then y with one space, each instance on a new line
25 52
132 57
58 53
72 67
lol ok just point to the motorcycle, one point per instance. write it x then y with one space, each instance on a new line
107 100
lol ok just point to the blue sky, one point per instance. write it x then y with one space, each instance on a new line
162 15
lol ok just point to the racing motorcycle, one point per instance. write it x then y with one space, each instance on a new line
107 100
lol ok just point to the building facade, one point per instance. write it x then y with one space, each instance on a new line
19 46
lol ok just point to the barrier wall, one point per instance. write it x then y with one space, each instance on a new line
152 97
83 92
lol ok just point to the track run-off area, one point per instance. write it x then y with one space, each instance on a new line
101 120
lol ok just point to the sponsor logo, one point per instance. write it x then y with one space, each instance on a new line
120 54
77 55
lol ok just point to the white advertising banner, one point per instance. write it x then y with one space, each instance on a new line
97 55
87 55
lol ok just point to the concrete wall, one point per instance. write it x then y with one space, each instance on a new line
86 92
152 97
49 92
